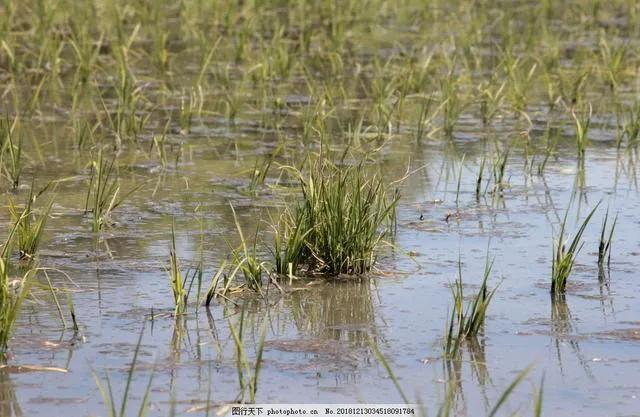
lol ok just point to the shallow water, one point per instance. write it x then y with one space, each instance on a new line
317 346
319 334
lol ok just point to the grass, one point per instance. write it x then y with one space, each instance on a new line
103 192
466 323
564 256
629 124
606 237
260 172
30 226
289 246
178 283
498 169
582 121
246 258
11 159
181 283
345 215
13 292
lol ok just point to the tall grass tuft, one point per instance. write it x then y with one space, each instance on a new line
467 323
343 218
564 256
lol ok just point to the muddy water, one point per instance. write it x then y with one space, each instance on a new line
317 347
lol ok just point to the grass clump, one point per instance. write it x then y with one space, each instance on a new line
564 256
343 218
467 323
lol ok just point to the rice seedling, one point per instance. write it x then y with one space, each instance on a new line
612 61
128 121
231 102
499 169
521 77
343 218
12 293
72 311
289 242
246 259
606 237
29 225
466 323
629 124
189 108
491 102
83 133
86 51
212 291
564 256
178 283
452 102
582 123
102 193
425 119
572 84
260 172
11 161
551 136
181 284
108 394
483 163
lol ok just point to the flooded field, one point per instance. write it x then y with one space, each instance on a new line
211 202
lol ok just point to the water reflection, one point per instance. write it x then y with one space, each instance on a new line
563 330
474 348
9 404
606 301
340 311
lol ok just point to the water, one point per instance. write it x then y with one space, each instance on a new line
317 347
